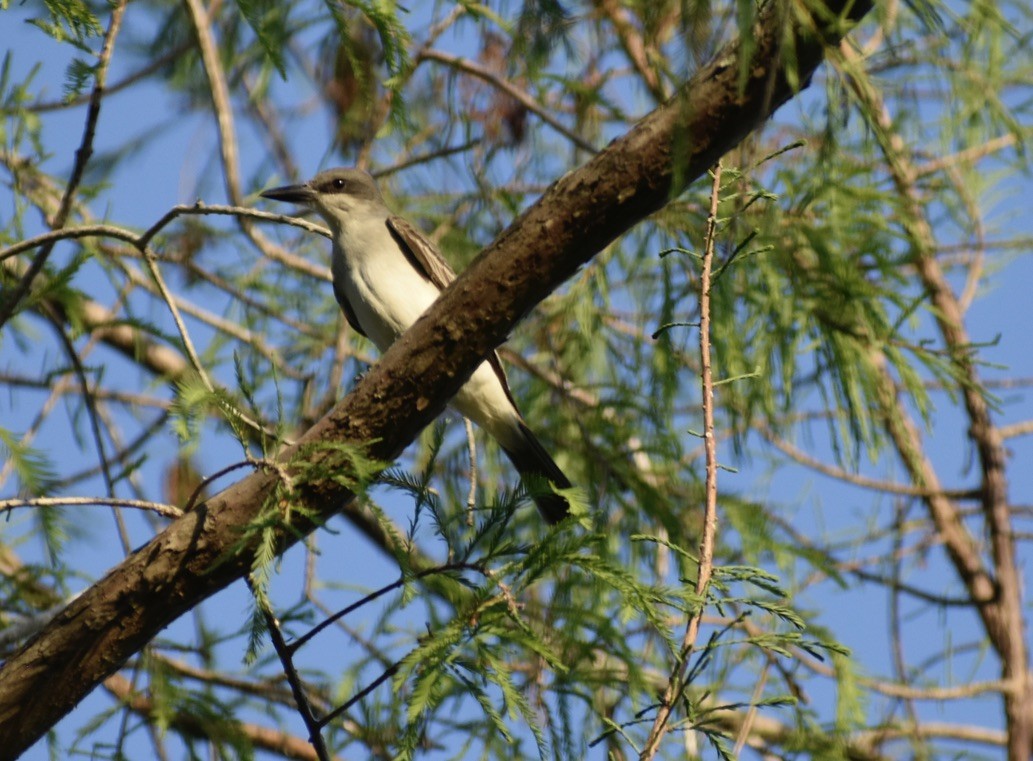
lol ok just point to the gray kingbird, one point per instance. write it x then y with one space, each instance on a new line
386 274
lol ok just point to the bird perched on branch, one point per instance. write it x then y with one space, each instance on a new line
386 274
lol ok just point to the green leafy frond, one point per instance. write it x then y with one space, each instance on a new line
188 410
32 467
395 41
69 21
78 77
269 21
340 462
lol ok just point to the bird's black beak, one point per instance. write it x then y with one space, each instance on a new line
301 194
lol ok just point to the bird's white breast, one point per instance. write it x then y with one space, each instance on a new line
388 294
383 288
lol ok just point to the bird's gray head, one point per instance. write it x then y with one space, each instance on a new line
335 195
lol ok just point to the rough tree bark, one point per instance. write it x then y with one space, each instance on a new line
207 549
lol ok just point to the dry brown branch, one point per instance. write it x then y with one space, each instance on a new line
167 511
633 43
999 597
1025 428
970 154
840 474
270 740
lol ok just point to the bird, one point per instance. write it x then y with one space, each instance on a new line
386 273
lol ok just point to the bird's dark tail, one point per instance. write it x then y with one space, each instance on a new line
538 469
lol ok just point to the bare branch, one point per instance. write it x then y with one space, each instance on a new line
676 683
469 67
166 511
270 740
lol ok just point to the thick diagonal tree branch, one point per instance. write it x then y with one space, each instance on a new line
208 548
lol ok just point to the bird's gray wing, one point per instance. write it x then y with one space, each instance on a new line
424 256
349 313
421 253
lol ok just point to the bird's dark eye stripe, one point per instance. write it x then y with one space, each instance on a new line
358 186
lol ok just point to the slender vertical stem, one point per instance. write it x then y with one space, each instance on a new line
676 683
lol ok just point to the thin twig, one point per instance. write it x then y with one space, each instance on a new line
68 233
966 156
751 713
423 158
82 157
471 445
676 683
177 318
389 672
366 599
167 511
152 66
220 93
840 474
896 628
221 103
139 240
469 67
92 415
302 703
276 742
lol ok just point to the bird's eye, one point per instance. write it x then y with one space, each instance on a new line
338 183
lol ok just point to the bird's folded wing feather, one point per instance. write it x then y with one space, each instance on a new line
424 256
349 313
421 253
